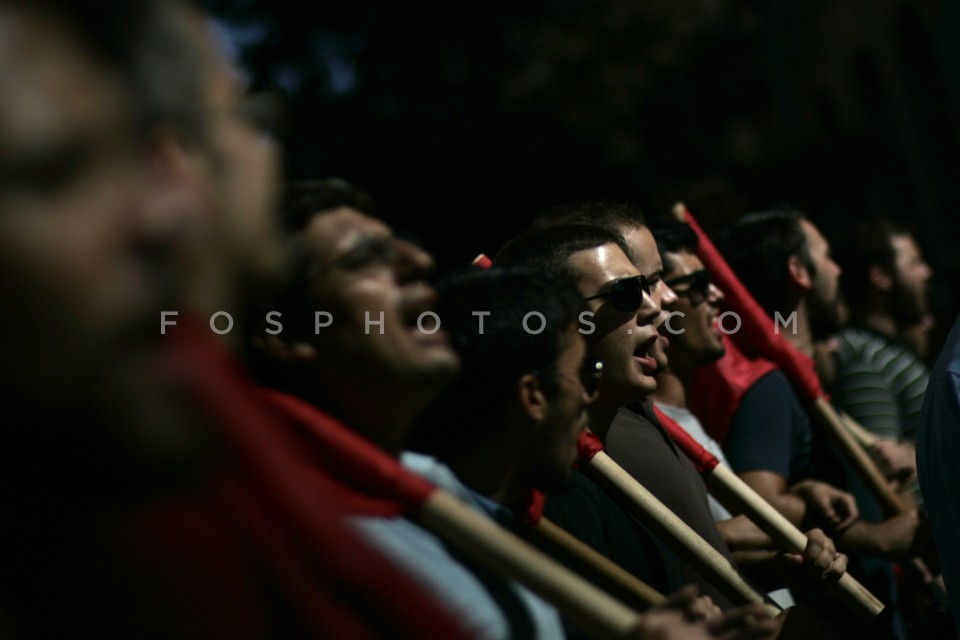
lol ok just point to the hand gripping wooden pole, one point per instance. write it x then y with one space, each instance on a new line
865 467
686 542
738 497
487 543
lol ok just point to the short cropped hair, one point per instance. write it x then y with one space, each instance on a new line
494 361
609 215
304 199
673 237
864 245
549 248
758 248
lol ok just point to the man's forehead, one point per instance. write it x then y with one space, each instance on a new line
602 264
904 245
337 231
684 262
814 237
644 249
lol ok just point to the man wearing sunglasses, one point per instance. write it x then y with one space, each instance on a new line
601 264
596 260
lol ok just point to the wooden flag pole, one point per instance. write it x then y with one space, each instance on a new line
487 543
737 496
599 562
686 542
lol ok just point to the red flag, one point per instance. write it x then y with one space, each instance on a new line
718 388
284 513
753 351
758 335
703 460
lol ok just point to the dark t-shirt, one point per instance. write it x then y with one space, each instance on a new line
638 443
771 431
587 512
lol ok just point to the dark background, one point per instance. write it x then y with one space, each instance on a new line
464 119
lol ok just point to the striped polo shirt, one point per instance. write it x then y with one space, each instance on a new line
880 383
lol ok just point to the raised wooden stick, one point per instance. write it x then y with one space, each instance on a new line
599 562
890 501
686 542
488 544
737 496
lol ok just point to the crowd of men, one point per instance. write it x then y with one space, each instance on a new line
238 408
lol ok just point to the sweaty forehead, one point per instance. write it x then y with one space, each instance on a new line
600 265
644 249
336 232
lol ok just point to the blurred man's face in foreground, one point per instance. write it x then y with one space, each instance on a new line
81 287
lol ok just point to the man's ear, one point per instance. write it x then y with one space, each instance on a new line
799 274
531 397
880 278
283 351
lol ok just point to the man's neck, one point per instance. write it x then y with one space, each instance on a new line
802 338
672 389
882 323
212 294
490 469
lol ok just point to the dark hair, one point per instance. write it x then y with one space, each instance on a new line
758 247
672 237
549 248
304 199
608 215
493 362
863 245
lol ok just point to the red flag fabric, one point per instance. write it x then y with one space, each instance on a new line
718 388
703 460
588 445
531 509
276 517
350 458
758 336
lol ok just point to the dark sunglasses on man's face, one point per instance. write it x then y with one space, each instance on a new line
697 286
626 294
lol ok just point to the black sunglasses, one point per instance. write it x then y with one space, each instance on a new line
589 375
698 289
626 294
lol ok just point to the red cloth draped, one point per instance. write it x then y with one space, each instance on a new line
259 549
719 388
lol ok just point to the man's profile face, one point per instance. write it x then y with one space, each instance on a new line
361 271
908 298
555 442
622 340
695 337
646 257
81 286
824 296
